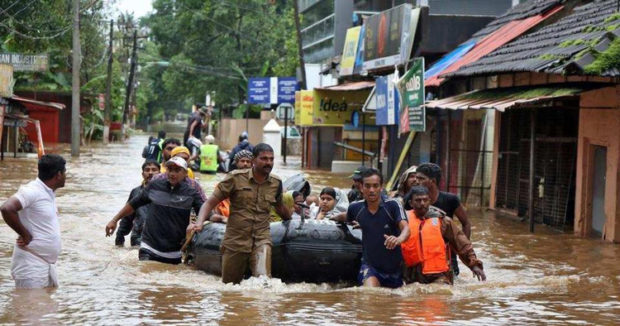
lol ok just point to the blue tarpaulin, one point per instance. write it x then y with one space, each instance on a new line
449 59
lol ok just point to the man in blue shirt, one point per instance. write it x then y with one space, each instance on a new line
384 227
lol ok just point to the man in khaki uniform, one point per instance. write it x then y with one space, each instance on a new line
252 192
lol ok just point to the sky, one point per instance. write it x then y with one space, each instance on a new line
138 7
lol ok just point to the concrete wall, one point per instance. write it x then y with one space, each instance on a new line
228 132
599 124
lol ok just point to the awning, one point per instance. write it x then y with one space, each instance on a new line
491 42
53 105
502 99
354 86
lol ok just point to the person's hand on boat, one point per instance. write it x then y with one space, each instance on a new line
110 227
479 273
355 225
391 241
194 227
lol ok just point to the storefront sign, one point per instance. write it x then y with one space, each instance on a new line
23 62
6 80
411 87
387 103
304 103
388 38
350 51
271 90
335 108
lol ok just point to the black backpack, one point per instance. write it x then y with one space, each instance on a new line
151 151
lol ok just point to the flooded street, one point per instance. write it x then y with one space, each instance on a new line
549 277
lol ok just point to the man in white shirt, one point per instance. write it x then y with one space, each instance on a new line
32 213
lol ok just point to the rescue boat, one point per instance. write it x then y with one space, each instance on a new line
304 250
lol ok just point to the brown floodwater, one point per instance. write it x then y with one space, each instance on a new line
548 277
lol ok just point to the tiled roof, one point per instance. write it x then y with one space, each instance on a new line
520 11
565 46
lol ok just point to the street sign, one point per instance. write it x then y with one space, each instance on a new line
25 62
411 87
271 90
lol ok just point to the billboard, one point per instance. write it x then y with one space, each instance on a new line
335 108
389 37
411 87
271 90
387 101
350 51
304 104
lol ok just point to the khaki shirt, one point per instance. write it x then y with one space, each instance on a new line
250 203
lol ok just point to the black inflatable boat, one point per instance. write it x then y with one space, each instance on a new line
303 251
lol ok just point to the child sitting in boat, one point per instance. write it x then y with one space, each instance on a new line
333 201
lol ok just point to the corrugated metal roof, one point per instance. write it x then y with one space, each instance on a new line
502 99
354 86
449 59
53 105
555 48
491 42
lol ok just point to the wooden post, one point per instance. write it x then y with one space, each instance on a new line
530 198
363 138
299 45
449 149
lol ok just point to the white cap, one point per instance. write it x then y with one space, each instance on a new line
178 161
210 138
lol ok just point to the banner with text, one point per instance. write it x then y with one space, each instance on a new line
388 104
411 87
272 90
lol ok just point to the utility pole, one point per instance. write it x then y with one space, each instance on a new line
299 46
130 80
75 82
108 89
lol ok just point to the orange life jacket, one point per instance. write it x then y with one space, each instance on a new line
426 245
224 207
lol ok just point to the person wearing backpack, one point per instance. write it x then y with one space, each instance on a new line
153 150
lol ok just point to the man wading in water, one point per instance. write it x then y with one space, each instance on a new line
172 200
252 193
384 228
32 213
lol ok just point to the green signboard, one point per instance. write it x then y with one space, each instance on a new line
411 88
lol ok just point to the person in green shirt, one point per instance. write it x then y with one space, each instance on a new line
209 156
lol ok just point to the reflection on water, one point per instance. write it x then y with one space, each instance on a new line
548 277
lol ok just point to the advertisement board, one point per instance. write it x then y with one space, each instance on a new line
25 62
6 80
304 105
336 108
388 39
411 87
387 101
350 51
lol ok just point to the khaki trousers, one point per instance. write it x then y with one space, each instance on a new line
234 264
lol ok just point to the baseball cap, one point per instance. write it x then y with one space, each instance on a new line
178 161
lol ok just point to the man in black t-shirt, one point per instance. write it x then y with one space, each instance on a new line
429 175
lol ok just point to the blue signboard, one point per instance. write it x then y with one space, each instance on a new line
258 90
272 90
286 89
387 101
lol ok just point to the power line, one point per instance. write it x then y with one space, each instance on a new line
11 30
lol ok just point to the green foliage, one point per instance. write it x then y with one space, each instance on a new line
214 46
606 60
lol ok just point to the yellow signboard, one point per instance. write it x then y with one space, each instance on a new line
335 108
304 103
350 50
6 80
